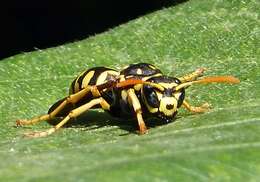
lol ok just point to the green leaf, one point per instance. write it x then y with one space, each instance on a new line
221 145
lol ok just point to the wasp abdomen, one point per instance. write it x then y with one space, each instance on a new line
94 76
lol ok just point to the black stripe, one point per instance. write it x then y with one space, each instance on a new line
72 86
80 80
98 71
144 67
93 80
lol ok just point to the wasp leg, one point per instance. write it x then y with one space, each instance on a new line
137 108
74 98
192 76
73 114
203 108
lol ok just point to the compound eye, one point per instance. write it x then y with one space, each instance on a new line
180 97
151 96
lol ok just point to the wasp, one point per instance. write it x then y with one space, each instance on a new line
138 91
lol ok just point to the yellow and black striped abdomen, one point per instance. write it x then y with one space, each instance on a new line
94 76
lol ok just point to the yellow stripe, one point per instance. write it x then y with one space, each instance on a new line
76 84
153 67
87 79
168 85
148 77
103 76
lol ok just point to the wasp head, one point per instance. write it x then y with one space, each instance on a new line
161 98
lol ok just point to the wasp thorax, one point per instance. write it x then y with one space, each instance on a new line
160 98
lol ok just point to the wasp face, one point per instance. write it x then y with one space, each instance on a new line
163 102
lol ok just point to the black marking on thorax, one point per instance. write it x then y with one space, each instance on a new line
140 70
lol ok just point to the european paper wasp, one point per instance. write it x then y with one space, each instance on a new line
139 91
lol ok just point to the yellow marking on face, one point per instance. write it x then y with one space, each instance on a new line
168 101
159 95
177 95
151 109
87 79
168 85
139 71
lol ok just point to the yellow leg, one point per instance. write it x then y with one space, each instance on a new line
137 108
74 98
192 76
205 107
74 113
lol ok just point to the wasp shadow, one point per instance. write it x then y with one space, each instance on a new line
94 120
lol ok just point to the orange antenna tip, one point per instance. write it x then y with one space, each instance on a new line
219 79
